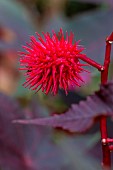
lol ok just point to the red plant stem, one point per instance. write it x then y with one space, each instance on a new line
109 140
103 121
111 147
92 63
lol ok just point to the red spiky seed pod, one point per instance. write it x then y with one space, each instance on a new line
52 63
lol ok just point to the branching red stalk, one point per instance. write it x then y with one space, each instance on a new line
103 122
111 147
109 140
92 63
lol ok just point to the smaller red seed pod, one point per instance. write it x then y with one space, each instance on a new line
52 62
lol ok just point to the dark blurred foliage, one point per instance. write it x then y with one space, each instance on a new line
91 21
73 8
34 147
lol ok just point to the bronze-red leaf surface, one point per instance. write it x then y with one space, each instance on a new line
81 117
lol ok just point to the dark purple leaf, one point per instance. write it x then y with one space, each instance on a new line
81 116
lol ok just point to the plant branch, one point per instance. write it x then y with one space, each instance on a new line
108 140
103 122
92 63
111 147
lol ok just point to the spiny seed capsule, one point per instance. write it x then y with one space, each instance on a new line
52 62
